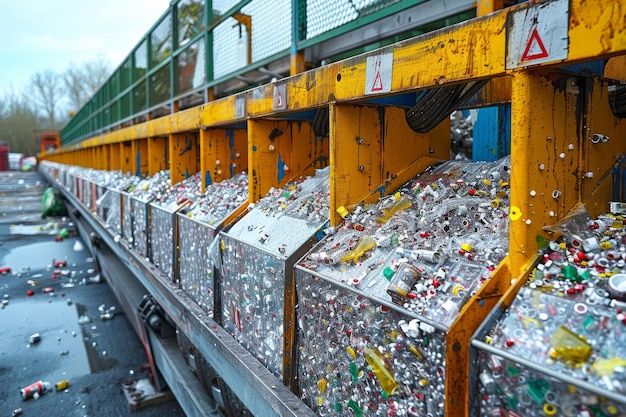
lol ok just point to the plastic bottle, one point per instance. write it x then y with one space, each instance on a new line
386 380
401 204
365 244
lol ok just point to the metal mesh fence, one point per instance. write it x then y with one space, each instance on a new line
258 31
271 27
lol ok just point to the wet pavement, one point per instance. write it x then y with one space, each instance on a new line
59 317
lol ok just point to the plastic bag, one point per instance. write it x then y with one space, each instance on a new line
574 228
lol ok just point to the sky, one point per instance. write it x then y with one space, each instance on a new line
40 35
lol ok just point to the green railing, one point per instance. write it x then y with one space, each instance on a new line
228 46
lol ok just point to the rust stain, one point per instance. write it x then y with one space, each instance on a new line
311 80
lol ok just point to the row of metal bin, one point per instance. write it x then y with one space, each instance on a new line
357 319
315 304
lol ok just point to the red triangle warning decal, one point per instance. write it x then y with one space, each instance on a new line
377 85
534 48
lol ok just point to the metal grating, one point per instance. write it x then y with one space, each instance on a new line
160 86
271 27
191 67
190 20
140 65
323 16
161 41
230 55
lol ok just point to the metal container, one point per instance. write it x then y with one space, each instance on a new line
381 300
556 342
164 237
198 226
259 252
196 269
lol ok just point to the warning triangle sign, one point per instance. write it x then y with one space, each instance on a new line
534 48
377 85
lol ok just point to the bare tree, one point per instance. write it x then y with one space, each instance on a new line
81 82
18 120
47 91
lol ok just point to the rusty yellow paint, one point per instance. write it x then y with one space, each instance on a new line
545 149
185 120
472 50
373 152
219 112
157 155
459 336
356 135
296 63
105 158
615 68
596 29
218 157
292 142
139 157
183 156
127 160
496 91
598 158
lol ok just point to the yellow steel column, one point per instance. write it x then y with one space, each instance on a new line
141 156
545 153
297 63
157 154
106 157
183 154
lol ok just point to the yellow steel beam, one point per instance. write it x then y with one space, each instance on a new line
222 111
470 50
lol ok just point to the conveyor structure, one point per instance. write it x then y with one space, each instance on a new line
301 225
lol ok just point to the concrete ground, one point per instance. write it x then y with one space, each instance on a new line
69 309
